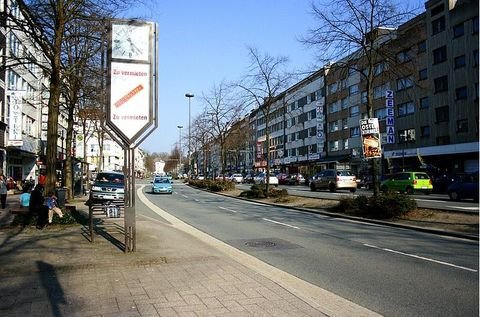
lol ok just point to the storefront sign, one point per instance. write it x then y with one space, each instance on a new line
15 118
371 144
390 118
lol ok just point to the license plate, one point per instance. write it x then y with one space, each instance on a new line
424 187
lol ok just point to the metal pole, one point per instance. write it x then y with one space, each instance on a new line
179 148
189 96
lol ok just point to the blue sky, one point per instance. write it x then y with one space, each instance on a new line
202 43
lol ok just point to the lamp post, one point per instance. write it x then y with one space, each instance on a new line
189 96
180 127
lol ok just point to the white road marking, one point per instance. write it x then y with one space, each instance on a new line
185 196
195 199
421 258
280 223
465 208
231 210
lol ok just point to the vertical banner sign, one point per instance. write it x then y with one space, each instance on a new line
371 144
390 118
15 118
259 151
131 68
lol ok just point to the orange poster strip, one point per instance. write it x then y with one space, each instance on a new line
128 96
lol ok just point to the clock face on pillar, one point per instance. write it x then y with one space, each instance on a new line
130 41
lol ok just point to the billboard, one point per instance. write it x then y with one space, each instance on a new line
371 142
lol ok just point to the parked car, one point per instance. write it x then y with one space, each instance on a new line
107 186
248 178
236 178
295 179
161 185
365 182
441 182
408 182
334 180
262 179
467 188
282 178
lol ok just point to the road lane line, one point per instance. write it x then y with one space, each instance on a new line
227 209
280 223
421 258
185 196
321 299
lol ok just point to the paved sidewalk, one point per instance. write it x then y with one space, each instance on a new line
58 272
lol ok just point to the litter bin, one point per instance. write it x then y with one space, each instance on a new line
61 196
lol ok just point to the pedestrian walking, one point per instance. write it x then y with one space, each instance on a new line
51 203
3 191
37 206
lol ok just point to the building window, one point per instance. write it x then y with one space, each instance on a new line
302 102
333 145
313 96
292 106
333 126
379 91
422 47
439 55
438 25
437 10
381 114
404 83
332 88
406 109
460 61
458 30
292 122
363 98
443 140
345 144
475 25
407 135
423 103
422 74
378 69
353 90
344 103
441 84
425 131
442 114
354 111
404 56
461 93
313 114
334 107
462 125
355 131
345 123
313 131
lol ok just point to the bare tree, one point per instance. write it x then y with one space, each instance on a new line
46 24
265 80
222 110
353 34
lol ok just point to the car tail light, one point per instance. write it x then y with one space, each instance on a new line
414 182
354 179
338 178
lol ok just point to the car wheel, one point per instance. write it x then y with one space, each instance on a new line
332 188
409 190
454 195
312 187
352 190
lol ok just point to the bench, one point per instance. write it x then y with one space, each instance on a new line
19 210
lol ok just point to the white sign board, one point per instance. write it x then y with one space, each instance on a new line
15 118
130 97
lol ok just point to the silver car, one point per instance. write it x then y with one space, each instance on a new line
333 179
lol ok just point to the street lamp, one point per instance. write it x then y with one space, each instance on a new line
180 127
189 96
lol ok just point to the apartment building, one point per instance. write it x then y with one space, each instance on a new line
23 93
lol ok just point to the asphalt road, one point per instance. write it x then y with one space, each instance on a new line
393 271
433 201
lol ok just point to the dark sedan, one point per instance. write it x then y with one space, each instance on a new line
466 188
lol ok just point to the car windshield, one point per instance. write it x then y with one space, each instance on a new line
110 178
162 181
344 173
